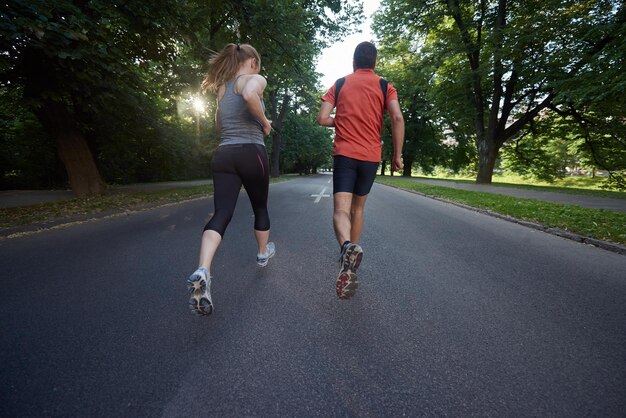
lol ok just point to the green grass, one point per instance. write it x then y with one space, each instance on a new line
595 223
570 185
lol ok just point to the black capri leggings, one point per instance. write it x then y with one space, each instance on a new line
233 166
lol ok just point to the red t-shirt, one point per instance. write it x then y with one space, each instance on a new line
359 115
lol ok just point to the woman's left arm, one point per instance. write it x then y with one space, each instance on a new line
252 93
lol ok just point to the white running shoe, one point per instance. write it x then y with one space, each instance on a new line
262 259
199 284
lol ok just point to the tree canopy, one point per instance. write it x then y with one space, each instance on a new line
110 82
108 86
493 68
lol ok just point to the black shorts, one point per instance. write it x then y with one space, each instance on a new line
353 176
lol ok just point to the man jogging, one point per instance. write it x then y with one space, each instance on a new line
360 100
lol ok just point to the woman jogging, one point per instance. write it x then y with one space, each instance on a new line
240 159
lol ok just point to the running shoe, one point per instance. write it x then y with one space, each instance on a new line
262 259
199 284
347 282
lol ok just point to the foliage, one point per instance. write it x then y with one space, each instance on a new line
289 54
27 157
306 145
546 154
425 146
493 67
121 75
84 67
556 145
92 51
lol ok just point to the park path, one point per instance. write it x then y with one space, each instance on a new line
587 201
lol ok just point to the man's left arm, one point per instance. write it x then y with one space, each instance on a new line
397 133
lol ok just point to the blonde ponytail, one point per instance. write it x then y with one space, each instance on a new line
223 66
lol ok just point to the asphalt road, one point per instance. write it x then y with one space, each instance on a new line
457 314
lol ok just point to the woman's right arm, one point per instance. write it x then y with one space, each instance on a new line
252 93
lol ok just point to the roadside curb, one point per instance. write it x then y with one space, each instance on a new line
34 228
605 245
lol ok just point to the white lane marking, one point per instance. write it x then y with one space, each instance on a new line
319 196
329 181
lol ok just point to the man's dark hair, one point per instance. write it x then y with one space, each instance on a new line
365 55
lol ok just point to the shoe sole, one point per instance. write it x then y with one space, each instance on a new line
346 285
347 281
200 301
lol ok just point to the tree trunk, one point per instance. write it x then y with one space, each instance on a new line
487 155
83 174
60 124
275 165
277 124
383 167
406 171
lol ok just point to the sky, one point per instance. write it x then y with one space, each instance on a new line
336 61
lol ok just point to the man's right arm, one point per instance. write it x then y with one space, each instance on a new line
397 133
323 117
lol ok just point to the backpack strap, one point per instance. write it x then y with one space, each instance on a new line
338 85
383 87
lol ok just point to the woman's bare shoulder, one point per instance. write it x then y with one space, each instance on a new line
255 81
258 78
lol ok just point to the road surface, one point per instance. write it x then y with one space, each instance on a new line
457 314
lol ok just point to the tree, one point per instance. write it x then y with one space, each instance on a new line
26 156
307 146
288 55
543 150
106 79
75 59
423 146
502 63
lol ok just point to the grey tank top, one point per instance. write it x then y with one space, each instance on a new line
236 123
